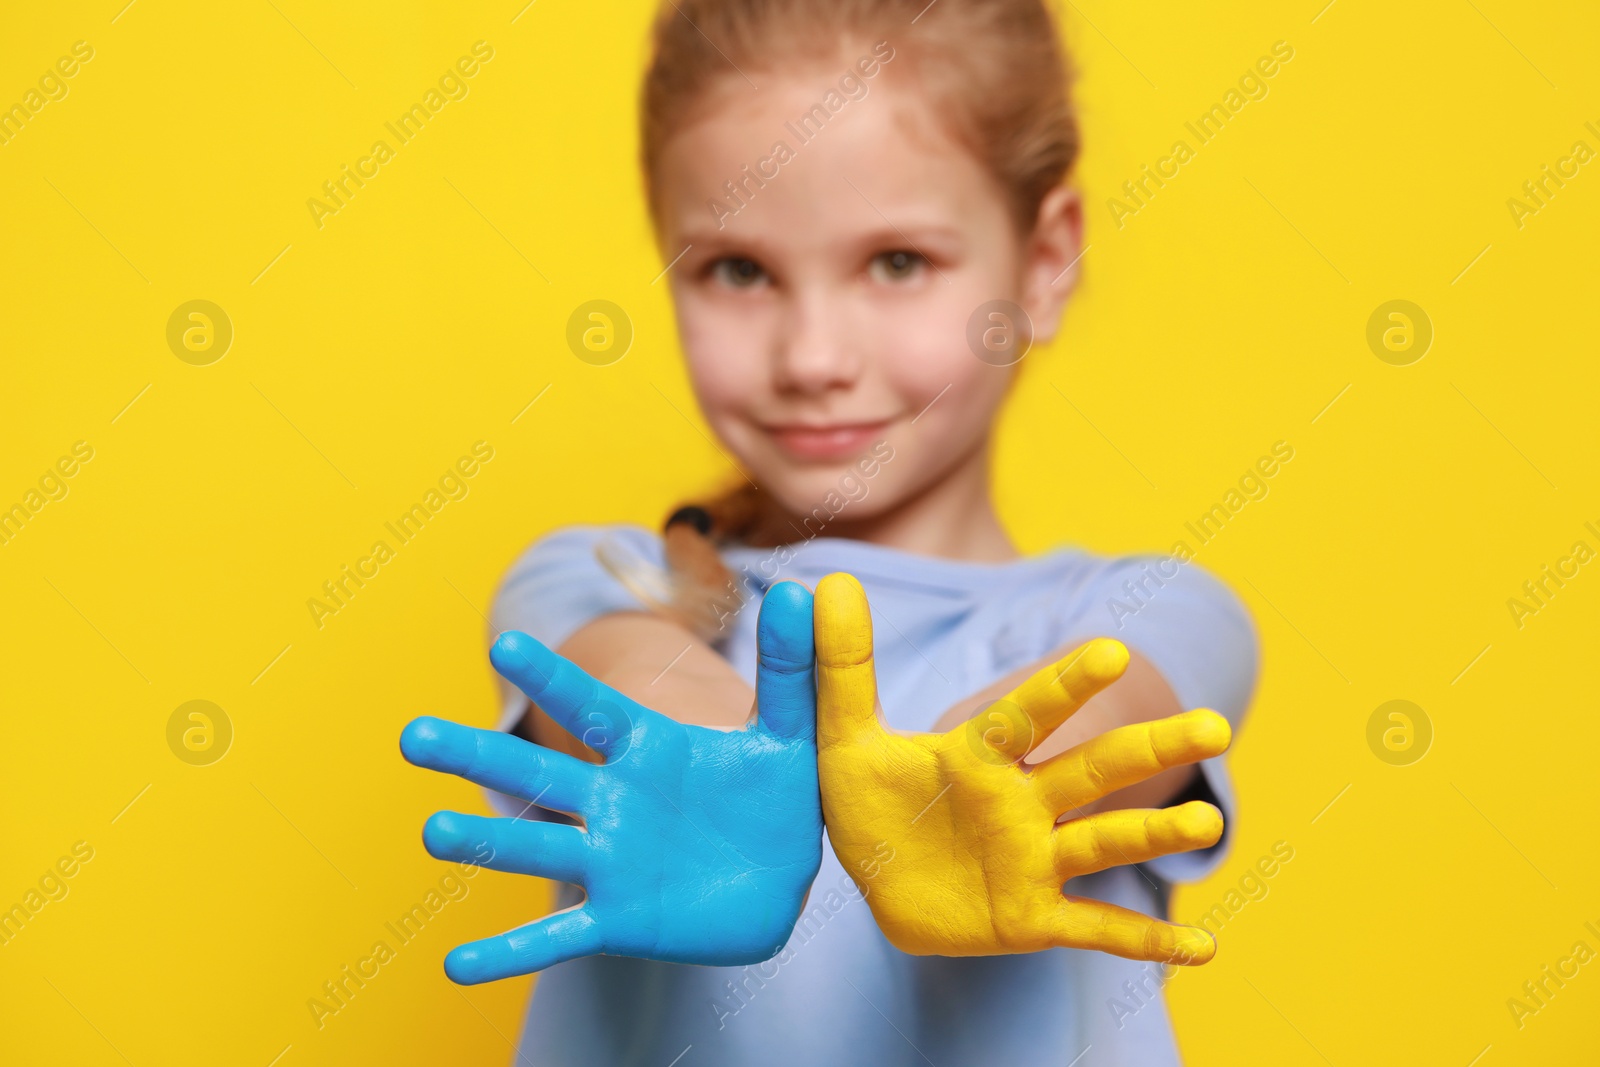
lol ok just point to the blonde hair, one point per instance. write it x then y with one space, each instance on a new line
996 74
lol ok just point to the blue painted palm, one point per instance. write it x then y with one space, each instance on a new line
698 845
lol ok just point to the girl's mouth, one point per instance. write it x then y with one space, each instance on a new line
833 441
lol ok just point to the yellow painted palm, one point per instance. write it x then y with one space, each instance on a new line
953 838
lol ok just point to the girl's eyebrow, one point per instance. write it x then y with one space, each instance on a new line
912 236
706 241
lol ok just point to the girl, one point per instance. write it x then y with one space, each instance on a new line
864 206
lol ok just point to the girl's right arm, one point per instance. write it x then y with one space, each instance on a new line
656 662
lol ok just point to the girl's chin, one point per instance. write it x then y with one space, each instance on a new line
835 492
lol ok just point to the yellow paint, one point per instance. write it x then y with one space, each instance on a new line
953 837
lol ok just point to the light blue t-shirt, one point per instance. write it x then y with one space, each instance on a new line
839 993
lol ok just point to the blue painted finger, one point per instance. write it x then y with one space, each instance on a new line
554 939
786 690
587 708
500 762
516 846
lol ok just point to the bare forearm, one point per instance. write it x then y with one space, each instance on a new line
1141 695
657 663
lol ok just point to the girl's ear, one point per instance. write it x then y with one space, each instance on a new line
1050 260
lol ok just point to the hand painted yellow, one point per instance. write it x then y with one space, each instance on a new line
979 858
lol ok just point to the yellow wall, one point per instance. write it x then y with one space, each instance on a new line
1224 316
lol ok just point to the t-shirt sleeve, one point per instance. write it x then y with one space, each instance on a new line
558 585
1200 636
552 590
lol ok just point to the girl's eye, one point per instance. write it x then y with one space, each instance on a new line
737 272
897 266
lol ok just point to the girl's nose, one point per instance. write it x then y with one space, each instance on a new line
816 349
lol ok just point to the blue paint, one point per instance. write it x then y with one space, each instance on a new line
699 844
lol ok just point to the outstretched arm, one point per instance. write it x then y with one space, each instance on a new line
655 661
1141 695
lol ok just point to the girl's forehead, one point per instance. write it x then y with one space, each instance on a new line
799 150
805 108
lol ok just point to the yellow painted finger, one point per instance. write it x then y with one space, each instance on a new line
1082 923
1049 697
1130 754
1109 838
847 686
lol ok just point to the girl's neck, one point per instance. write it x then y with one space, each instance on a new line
954 518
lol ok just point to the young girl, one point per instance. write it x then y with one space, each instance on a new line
847 191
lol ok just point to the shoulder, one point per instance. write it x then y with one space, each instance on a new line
1165 585
578 544
1189 623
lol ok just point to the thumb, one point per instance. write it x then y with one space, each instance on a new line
786 697
847 684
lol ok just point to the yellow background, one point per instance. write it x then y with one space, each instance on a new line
1224 316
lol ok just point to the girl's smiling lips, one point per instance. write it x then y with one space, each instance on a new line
837 440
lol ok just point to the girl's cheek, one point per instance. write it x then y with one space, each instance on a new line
709 341
728 377
924 358
716 381
726 349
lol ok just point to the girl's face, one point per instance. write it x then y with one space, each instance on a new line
829 311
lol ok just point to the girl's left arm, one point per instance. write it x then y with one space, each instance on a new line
1140 695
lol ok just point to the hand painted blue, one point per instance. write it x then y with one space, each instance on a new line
698 845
